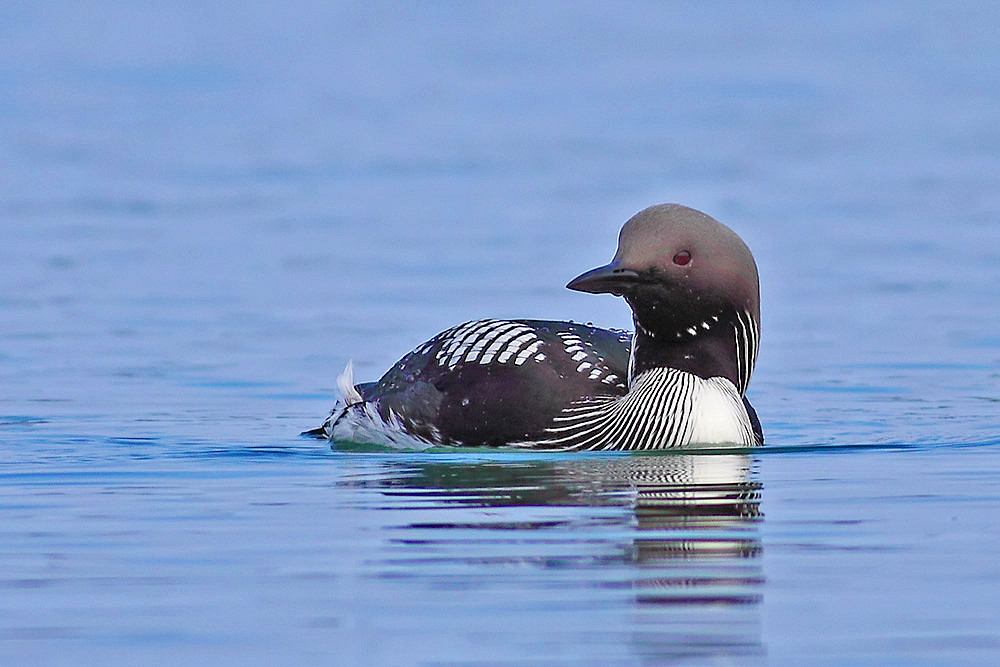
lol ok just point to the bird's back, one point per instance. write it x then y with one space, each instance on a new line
493 382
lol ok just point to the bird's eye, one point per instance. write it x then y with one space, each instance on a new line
682 258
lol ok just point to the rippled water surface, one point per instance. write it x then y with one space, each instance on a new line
205 211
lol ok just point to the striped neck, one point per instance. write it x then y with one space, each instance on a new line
722 344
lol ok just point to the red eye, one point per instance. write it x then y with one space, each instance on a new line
682 258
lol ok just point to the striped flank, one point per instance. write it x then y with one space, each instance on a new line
664 408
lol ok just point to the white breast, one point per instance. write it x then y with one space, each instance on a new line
718 416
664 408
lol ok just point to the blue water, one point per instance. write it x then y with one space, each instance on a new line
205 211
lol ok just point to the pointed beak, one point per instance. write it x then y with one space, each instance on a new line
612 278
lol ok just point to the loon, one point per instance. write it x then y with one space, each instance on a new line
678 382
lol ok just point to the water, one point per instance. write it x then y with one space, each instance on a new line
206 211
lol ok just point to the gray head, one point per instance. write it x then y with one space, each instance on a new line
676 266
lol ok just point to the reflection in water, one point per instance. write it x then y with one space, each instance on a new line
673 538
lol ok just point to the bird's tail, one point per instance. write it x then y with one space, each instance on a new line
349 396
345 383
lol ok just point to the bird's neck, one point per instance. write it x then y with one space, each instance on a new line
720 344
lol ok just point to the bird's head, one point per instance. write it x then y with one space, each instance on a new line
678 268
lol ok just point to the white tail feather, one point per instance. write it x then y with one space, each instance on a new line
345 384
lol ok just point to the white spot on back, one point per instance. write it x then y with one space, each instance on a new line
527 352
500 341
469 339
487 337
515 345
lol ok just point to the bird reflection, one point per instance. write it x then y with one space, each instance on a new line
697 506
678 534
684 506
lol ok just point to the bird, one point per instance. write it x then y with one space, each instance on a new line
678 381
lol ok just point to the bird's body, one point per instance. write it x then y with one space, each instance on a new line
679 381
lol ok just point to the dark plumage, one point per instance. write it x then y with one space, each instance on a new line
679 381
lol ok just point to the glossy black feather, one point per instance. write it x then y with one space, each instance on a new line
489 404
